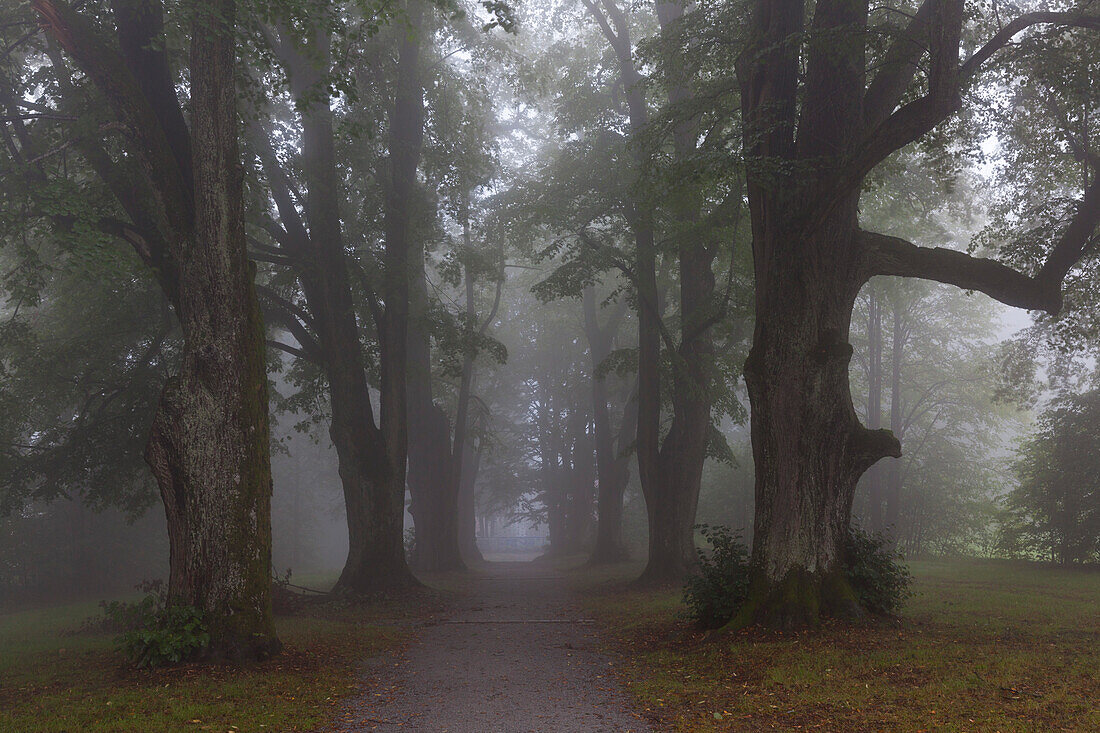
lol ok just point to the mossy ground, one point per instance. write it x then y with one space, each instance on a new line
56 677
981 646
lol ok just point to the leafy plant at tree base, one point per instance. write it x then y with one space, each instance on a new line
722 583
155 632
715 594
880 581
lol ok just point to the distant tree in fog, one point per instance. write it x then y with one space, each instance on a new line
1054 513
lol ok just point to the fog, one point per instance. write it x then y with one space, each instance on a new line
498 348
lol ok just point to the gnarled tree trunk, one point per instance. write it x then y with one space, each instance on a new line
808 444
209 443
813 129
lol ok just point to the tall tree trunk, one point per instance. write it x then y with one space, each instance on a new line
897 427
376 553
813 129
874 480
808 445
669 508
209 443
612 468
433 468
379 519
672 485
437 467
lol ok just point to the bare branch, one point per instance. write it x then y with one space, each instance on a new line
894 256
299 312
299 353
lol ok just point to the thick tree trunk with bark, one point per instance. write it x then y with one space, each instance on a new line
209 443
808 445
814 128
382 519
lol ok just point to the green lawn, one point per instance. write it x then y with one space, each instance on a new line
55 677
982 646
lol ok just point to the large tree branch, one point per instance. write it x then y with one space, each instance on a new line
276 316
893 256
271 296
140 26
1072 18
295 352
295 236
915 119
112 74
898 68
900 258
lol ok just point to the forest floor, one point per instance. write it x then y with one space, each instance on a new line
60 673
511 652
981 646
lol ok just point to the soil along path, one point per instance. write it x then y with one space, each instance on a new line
512 655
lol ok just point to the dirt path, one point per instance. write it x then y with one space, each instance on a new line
513 655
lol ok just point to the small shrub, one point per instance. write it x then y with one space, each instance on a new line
722 583
155 632
880 581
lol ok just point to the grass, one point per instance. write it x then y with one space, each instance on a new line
56 675
981 646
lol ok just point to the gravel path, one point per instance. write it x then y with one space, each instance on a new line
514 655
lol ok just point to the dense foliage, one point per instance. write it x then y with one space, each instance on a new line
873 568
156 631
1054 513
721 582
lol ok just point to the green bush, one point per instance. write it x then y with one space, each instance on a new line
880 581
154 632
715 593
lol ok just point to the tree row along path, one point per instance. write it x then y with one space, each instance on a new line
512 655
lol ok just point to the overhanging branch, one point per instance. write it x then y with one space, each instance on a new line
895 256
898 257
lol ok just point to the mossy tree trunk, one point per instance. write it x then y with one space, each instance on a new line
182 188
813 129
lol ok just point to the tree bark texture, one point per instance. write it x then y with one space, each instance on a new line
814 128
209 444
